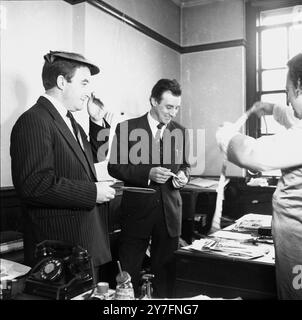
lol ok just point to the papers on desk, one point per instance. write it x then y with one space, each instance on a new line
252 222
229 248
10 270
229 235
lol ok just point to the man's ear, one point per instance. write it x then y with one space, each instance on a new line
61 82
299 88
153 102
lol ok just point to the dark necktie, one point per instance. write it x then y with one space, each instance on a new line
86 151
76 129
160 141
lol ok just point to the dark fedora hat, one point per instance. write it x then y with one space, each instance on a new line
52 56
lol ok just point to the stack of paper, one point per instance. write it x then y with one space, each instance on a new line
230 248
252 222
229 235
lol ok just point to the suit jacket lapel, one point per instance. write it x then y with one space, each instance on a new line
89 156
65 131
144 124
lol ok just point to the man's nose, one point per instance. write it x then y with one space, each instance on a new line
173 112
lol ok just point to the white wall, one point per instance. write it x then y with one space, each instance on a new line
213 22
213 81
130 61
32 29
162 16
213 92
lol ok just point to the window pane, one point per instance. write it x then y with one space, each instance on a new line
268 124
274 79
274 49
295 40
278 16
278 98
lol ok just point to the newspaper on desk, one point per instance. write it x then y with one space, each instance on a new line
228 247
252 222
237 240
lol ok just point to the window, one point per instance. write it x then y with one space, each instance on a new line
279 38
274 35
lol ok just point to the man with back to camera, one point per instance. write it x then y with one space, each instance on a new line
161 164
53 162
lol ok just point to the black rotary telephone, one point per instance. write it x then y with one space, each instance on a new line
62 271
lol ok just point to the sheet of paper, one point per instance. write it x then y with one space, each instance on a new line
254 221
232 235
10 270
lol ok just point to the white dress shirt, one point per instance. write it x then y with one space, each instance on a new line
61 109
153 125
279 151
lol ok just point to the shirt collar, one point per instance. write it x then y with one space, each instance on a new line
153 123
57 104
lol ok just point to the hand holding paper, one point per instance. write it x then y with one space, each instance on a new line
179 180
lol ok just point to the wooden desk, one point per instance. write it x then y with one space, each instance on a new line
218 276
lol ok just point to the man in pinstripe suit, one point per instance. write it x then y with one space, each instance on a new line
53 162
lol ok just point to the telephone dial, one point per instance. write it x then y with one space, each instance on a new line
62 271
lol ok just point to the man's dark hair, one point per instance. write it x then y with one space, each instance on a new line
60 66
295 69
164 85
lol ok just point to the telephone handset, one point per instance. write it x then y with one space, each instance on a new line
63 270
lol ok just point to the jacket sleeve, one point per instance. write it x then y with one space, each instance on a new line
33 169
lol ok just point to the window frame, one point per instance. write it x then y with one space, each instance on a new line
252 14
253 9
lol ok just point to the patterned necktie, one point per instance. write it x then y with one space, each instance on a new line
75 128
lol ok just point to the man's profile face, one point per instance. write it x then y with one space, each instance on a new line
77 91
167 108
294 97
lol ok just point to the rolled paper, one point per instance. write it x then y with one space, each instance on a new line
216 221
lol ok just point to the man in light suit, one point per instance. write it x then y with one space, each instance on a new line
53 162
151 152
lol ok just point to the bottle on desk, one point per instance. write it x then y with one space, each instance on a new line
146 289
124 288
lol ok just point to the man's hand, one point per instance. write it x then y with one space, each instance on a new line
262 108
95 108
104 192
180 180
160 174
224 134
